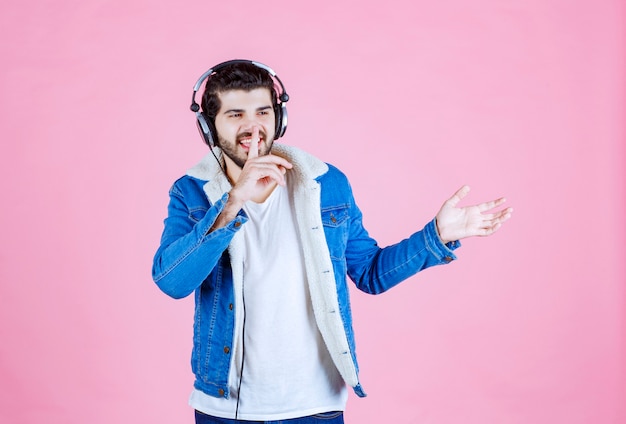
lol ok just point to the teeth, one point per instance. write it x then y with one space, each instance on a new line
247 142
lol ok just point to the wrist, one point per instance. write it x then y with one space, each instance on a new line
234 201
440 233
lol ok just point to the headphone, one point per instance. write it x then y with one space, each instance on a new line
206 126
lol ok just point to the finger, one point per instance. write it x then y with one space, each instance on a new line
253 150
266 171
490 230
276 174
490 205
460 194
505 214
276 160
499 216
489 226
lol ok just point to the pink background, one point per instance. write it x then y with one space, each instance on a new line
411 99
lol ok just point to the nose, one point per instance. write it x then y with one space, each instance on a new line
250 126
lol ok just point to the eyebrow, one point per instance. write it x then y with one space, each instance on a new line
259 109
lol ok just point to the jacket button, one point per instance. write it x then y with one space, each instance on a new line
221 392
447 259
237 224
230 306
226 350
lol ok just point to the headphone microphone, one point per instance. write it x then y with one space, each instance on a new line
206 126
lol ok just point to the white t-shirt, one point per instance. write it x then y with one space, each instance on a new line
287 371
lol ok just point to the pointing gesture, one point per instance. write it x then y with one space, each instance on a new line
455 223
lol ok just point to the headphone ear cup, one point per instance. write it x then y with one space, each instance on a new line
281 120
207 129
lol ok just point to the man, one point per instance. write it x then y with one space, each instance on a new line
264 235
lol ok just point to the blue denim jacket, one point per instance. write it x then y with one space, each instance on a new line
191 258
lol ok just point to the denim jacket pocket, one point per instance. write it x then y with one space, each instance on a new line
336 221
334 216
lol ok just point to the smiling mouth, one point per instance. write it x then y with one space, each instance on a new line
246 142
246 139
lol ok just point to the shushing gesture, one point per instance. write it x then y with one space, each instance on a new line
260 173
456 223
255 180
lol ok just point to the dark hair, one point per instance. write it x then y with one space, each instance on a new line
238 76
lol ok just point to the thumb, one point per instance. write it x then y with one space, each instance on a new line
460 194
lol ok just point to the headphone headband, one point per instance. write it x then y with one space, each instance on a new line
222 65
205 124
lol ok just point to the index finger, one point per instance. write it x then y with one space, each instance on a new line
253 150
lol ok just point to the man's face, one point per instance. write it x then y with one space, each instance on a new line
239 113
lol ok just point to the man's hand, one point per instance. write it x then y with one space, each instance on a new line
259 173
456 223
254 182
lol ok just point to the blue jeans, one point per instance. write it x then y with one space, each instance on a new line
324 418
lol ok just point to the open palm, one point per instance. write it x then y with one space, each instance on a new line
456 223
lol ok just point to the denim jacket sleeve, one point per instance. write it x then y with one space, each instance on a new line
375 270
189 250
380 269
